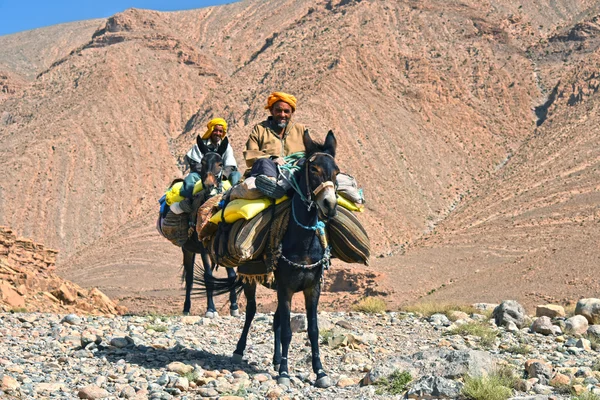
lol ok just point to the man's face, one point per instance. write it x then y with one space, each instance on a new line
281 112
217 134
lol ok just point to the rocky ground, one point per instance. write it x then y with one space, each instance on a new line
164 357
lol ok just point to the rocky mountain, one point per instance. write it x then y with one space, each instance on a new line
470 125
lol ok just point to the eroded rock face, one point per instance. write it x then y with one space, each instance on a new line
28 281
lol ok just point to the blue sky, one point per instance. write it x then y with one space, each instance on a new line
16 16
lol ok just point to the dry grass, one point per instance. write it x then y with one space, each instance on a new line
370 305
484 332
497 386
428 309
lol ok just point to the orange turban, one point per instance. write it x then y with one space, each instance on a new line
277 96
211 126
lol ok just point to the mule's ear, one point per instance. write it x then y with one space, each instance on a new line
330 143
201 145
309 145
223 146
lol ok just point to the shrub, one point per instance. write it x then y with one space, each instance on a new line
394 384
484 332
370 305
191 376
586 396
492 387
18 310
326 334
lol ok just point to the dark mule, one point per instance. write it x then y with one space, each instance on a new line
211 171
302 262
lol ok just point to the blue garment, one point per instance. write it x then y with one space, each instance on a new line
187 190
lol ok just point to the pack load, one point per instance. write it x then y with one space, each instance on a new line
348 239
348 190
248 239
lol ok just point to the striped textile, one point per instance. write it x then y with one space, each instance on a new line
348 239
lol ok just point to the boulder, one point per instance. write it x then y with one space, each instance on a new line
576 325
590 309
550 311
437 387
542 325
539 369
510 311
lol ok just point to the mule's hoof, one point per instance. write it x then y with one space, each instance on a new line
284 381
323 382
211 314
186 313
276 367
236 358
234 313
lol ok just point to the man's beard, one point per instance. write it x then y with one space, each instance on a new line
281 124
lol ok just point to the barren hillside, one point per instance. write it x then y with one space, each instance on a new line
432 103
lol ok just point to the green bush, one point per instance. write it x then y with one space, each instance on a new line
586 396
396 383
483 331
491 387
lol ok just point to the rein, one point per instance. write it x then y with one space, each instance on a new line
319 229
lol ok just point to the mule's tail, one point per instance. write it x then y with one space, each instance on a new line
205 284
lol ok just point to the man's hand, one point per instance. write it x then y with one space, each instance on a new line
279 161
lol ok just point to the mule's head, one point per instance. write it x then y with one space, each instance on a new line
321 173
211 166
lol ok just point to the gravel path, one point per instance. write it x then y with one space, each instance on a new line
165 357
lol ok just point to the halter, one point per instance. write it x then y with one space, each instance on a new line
308 197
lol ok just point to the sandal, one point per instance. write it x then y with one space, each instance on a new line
269 187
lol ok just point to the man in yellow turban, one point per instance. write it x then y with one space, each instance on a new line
272 140
216 132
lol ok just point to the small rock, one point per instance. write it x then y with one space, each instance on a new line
344 382
71 319
298 323
180 368
9 383
92 392
542 325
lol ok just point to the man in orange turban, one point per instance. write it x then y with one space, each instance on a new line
272 140
217 130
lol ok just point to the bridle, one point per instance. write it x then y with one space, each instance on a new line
220 174
309 198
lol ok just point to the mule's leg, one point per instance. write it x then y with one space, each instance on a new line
211 310
250 293
277 334
284 302
311 301
188 267
233 307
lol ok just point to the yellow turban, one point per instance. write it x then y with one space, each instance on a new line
211 126
277 96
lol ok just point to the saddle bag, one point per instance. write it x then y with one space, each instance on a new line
246 240
174 227
348 189
348 239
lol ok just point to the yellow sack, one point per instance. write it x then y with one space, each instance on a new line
242 208
349 205
173 196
